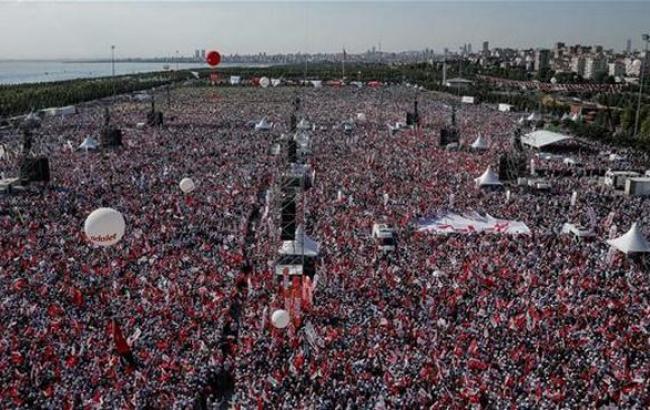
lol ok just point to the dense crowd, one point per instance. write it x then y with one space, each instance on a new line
446 321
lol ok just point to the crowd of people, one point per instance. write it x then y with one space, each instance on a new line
446 321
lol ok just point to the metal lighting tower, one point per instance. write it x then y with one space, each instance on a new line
646 38
113 67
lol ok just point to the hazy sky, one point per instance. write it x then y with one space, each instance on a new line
154 28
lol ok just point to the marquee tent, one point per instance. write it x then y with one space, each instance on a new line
88 143
632 242
304 125
480 143
302 245
488 178
263 125
505 107
534 117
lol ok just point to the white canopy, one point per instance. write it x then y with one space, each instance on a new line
534 117
235 79
480 143
88 143
504 107
542 138
579 231
302 245
275 82
576 117
467 99
488 178
304 125
263 125
317 83
632 242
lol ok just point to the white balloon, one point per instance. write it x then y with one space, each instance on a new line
280 319
265 82
187 185
104 226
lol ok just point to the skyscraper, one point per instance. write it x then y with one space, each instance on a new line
486 47
542 57
628 46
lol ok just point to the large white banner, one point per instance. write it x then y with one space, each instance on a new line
471 223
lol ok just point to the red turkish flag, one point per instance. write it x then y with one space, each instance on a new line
120 342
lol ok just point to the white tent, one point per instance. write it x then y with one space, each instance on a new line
576 117
534 117
632 242
504 107
317 83
467 99
304 125
576 230
302 245
263 125
542 138
480 143
235 79
142 97
275 82
88 143
397 127
488 178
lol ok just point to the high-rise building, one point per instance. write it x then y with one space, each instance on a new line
632 66
486 47
595 65
469 48
617 68
578 65
197 54
203 53
628 46
542 57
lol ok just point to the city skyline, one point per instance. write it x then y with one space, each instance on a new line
150 29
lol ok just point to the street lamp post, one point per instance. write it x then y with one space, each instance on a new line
646 38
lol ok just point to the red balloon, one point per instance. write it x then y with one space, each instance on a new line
213 58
